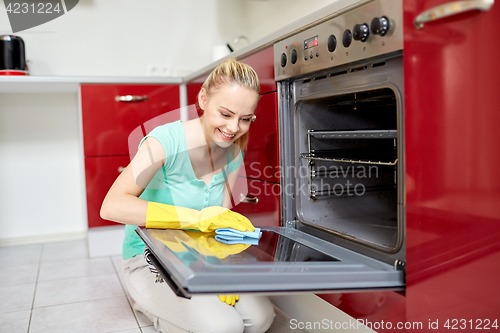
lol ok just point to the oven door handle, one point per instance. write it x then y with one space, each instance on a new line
450 9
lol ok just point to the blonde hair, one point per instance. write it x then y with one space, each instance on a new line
232 72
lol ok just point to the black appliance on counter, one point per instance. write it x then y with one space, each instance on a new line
12 55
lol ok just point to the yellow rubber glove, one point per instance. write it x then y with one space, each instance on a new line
162 216
203 243
229 299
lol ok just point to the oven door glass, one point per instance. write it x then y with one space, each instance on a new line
285 260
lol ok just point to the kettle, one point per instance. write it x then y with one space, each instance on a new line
12 56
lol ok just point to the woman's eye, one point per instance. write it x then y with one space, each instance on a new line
248 119
225 115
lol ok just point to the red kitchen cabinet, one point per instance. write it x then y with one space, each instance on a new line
107 123
452 179
263 64
261 157
112 130
100 174
261 201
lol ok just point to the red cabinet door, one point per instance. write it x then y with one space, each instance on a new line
261 157
100 174
452 84
107 123
263 64
258 201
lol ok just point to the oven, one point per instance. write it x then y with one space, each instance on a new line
341 152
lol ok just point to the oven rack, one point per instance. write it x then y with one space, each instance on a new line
374 134
360 156
328 193
312 156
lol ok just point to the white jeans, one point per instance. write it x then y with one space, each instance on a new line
200 314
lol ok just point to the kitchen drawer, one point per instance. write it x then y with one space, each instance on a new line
107 123
261 156
100 174
264 197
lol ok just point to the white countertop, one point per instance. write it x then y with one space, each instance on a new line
70 84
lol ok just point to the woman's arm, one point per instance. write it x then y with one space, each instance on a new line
231 181
122 203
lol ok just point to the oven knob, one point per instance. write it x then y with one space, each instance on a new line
332 43
380 25
283 60
293 58
360 32
347 38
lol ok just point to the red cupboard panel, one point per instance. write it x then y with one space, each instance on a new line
263 64
261 157
265 196
107 123
100 174
452 178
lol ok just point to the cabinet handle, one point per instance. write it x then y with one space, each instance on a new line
450 9
131 98
243 198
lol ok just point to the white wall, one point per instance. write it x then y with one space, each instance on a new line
123 37
266 16
41 186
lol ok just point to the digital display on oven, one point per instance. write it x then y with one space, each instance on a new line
311 42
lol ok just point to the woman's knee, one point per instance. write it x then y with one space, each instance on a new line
231 324
261 317
261 322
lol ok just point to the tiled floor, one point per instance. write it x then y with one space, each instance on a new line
55 287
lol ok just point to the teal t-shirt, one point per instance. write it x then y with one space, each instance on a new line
176 183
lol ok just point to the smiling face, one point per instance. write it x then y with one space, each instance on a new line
228 112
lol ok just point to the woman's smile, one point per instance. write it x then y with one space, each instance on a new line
226 136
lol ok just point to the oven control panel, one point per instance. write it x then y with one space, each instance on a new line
373 29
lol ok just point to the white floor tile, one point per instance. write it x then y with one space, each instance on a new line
135 330
20 255
17 275
58 251
149 329
76 290
117 262
15 322
16 298
64 269
97 316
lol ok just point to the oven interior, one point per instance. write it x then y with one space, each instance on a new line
348 158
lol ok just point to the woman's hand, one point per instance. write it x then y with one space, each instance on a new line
229 299
163 216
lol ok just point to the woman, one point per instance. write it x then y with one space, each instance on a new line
186 169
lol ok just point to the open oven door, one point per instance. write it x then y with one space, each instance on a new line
285 260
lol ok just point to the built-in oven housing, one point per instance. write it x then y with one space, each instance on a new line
343 174
341 114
